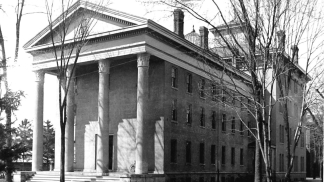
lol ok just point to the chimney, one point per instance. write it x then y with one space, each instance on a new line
178 22
203 31
295 50
281 40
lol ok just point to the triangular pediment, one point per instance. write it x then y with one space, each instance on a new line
102 20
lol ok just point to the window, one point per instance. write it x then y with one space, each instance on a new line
232 155
241 156
249 129
173 151
202 153
223 154
241 103
223 97
296 163
214 92
212 179
233 124
202 117
241 127
296 110
302 164
189 83
281 162
213 120
302 139
189 113
188 152
201 179
281 133
174 77
213 154
233 99
174 110
202 88
224 122
295 87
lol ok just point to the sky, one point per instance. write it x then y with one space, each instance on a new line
34 20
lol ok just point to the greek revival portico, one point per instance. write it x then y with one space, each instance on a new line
116 96
103 119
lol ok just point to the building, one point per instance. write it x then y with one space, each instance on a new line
143 102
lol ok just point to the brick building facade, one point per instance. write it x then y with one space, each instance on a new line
153 90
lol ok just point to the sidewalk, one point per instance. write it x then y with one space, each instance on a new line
313 180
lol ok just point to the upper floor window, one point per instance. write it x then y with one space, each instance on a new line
189 83
249 129
189 113
173 151
233 124
302 139
174 77
202 117
202 153
174 110
214 92
232 155
295 87
202 88
233 99
223 96
241 156
223 154
213 154
281 133
188 152
213 120
241 127
302 160
224 122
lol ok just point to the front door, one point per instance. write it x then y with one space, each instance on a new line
111 151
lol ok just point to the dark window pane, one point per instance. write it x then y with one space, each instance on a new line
173 151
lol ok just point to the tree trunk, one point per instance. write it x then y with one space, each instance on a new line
62 176
257 163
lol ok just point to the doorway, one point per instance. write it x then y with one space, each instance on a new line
111 152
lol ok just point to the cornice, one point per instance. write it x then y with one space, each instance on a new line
112 14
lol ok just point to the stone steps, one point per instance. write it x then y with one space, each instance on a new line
55 177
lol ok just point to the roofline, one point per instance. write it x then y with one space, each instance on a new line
90 6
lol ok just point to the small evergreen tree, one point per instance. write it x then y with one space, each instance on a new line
48 142
24 136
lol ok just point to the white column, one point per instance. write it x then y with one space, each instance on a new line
37 158
69 130
103 117
142 101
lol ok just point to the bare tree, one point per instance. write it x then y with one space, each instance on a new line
68 39
266 29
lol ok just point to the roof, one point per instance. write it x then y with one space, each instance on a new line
118 15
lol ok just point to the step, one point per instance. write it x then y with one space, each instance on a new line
76 177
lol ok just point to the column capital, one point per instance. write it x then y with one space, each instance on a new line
39 75
104 66
143 59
